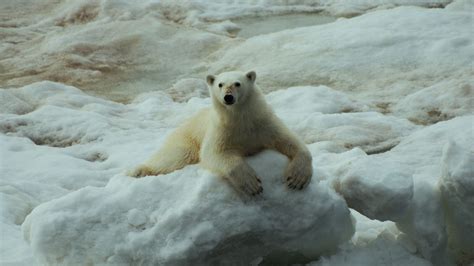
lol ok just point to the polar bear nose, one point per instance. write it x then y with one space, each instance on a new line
229 99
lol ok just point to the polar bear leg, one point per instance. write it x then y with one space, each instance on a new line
234 168
174 155
299 171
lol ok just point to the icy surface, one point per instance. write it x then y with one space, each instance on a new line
384 101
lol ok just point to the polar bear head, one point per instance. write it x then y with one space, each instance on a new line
231 88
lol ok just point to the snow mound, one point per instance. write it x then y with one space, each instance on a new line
374 243
370 131
442 101
45 106
310 100
323 114
189 217
457 189
383 250
185 89
401 185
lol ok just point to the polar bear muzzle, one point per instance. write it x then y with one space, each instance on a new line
229 99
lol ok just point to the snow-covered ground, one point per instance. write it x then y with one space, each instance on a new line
381 91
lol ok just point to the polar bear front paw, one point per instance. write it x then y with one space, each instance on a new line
246 182
141 171
251 185
297 176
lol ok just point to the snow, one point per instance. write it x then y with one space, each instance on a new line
381 93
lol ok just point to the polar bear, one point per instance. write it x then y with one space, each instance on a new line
239 123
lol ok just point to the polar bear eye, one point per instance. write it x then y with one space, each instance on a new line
220 85
237 84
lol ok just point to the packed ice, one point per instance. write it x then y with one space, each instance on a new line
380 91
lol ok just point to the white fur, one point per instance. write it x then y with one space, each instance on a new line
220 137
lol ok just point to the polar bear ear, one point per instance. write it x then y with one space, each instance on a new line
210 79
251 76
